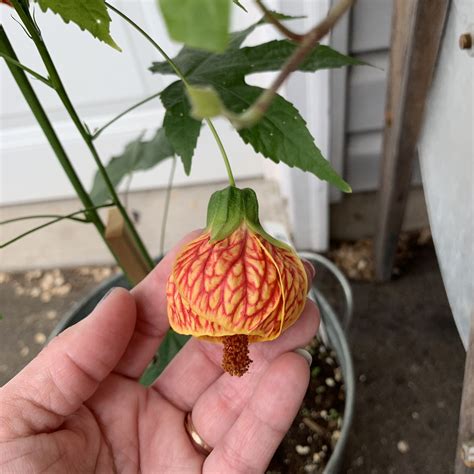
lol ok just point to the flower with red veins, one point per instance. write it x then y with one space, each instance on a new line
235 284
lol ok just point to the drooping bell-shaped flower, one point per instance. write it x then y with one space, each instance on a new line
235 284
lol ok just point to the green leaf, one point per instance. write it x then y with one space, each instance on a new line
171 345
235 64
181 129
90 15
202 24
236 2
138 155
282 134
189 58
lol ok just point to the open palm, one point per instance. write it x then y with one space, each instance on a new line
78 406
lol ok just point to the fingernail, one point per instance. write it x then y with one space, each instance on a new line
305 354
309 266
106 295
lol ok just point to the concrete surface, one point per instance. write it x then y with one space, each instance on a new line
409 361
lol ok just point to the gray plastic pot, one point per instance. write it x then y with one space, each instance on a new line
331 332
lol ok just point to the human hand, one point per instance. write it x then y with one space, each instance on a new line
78 406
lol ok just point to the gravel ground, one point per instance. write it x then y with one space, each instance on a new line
407 354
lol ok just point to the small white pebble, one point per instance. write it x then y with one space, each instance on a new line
46 297
4 277
51 314
362 378
403 446
302 450
35 292
33 275
323 414
325 447
24 351
40 338
330 382
415 415
310 468
316 458
47 281
59 280
337 374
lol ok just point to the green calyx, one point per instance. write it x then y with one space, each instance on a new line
229 208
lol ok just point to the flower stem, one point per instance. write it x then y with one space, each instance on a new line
223 153
185 82
30 25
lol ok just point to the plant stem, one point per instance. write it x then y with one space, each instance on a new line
167 206
223 153
185 82
149 38
84 220
36 75
44 216
61 91
278 24
121 114
46 224
310 40
43 121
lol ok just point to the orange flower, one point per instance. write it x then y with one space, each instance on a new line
235 284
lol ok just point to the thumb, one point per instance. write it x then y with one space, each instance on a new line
69 370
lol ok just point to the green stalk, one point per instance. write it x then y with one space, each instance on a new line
36 75
125 112
185 82
46 224
71 217
61 91
45 124
44 216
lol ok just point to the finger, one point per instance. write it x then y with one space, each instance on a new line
254 437
195 380
219 406
152 319
193 369
68 371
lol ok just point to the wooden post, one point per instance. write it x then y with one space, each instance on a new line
416 34
464 463
120 241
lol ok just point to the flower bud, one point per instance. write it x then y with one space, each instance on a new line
235 284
